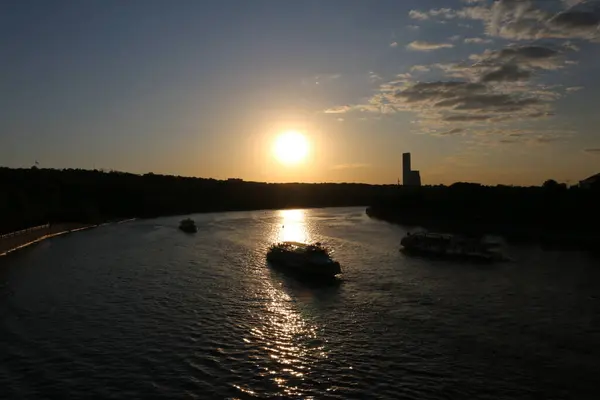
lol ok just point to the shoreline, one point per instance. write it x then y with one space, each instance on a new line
10 244
522 234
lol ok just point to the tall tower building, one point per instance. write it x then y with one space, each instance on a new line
406 168
409 177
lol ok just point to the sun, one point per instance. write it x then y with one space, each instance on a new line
291 147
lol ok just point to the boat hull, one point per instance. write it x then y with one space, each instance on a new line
458 256
304 268
450 249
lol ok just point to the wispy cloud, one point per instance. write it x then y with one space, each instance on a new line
394 44
338 110
373 77
419 45
477 40
501 85
523 20
418 15
574 88
325 78
351 166
420 68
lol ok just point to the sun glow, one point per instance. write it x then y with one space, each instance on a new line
291 147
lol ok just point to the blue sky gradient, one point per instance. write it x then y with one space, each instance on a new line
202 88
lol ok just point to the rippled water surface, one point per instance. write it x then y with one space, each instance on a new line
142 310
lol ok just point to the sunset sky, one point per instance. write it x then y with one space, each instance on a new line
492 92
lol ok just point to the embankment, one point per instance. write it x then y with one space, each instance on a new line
17 240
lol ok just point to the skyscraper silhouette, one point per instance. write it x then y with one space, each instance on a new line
409 177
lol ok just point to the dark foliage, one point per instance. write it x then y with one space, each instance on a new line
30 197
551 213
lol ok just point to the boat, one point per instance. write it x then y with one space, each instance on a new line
188 225
450 246
303 259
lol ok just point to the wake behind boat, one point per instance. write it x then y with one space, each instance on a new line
449 246
303 259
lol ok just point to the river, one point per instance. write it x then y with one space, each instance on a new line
142 310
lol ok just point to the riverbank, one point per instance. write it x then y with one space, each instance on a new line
18 240
513 233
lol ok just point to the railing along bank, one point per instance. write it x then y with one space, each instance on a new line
24 231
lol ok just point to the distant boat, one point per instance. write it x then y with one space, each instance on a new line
303 259
450 246
188 225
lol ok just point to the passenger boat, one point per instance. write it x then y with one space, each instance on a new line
188 225
303 259
450 246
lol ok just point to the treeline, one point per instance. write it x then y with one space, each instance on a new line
548 212
30 197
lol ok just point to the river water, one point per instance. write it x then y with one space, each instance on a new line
142 310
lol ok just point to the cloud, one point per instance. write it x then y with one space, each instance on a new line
595 151
373 77
477 40
499 86
351 166
420 68
414 14
442 102
574 88
506 73
319 79
526 56
522 20
394 44
451 132
418 45
338 110
467 118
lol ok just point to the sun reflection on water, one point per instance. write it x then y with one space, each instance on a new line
289 340
293 226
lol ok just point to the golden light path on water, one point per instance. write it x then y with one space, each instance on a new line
293 226
290 340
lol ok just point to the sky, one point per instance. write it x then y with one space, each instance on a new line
496 92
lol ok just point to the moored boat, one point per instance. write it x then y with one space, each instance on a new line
303 259
450 246
188 225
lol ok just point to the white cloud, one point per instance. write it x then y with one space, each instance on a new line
574 89
394 44
373 77
418 45
420 68
477 40
414 14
